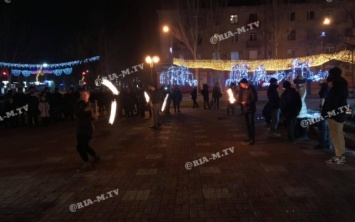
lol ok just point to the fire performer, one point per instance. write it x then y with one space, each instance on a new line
155 98
85 113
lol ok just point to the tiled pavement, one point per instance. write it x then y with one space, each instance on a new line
270 181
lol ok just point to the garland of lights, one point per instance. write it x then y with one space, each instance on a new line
269 65
177 76
26 73
50 66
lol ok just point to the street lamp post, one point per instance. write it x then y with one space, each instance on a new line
151 61
166 29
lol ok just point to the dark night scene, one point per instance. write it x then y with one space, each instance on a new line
177 110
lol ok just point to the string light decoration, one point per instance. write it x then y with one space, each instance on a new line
270 65
178 75
50 66
260 75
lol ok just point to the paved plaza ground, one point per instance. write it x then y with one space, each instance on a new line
142 174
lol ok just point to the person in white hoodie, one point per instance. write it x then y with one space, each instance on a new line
44 108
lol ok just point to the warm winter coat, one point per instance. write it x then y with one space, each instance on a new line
337 98
84 114
273 96
43 108
248 95
290 103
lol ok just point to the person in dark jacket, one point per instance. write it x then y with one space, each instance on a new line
176 97
85 116
194 97
248 100
57 104
155 98
20 101
324 139
33 102
274 103
205 94
290 106
334 107
216 95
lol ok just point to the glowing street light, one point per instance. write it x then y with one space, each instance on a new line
151 61
166 28
326 21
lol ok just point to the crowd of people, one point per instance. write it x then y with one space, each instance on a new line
45 107
56 106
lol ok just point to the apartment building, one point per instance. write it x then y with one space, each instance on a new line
284 31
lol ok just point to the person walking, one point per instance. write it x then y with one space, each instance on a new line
216 95
248 102
274 103
155 98
324 139
176 97
290 106
205 94
194 98
44 109
335 102
85 129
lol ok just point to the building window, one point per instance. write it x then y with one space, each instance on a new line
234 38
233 19
291 35
253 37
310 15
329 50
253 17
216 56
234 55
269 54
253 54
291 16
290 53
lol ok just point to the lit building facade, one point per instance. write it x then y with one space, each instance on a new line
282 31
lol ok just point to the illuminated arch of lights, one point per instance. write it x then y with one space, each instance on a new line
269 64
260 75
178 75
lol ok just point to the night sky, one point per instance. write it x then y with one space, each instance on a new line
45 30
52 31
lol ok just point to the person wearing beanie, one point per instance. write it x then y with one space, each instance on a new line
247 100
290 106
274 103
335 102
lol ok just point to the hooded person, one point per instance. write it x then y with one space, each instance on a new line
334 108
290 106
